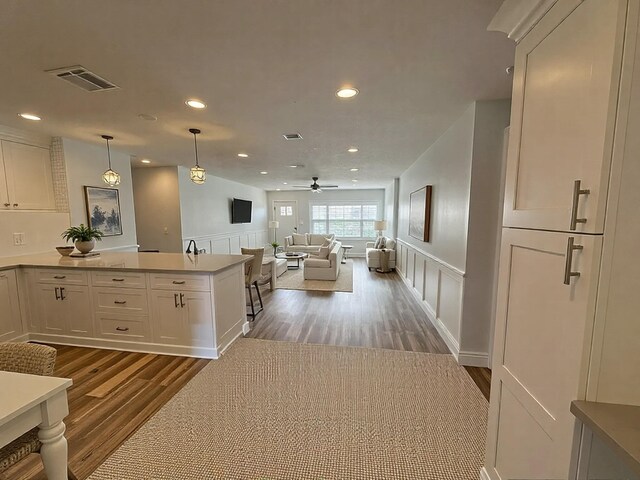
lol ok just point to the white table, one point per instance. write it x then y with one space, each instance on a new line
28 401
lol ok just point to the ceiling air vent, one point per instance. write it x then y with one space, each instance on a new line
83 78
292 136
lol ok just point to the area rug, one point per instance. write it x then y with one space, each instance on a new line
279 410
294 280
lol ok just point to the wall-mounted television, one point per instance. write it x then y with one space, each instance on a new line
240 211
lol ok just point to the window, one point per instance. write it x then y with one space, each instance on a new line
344 220
286 211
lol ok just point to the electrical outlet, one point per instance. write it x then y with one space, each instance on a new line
18 239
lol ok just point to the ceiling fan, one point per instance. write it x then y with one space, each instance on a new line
314 187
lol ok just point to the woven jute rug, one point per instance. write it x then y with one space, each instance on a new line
294 280
277 410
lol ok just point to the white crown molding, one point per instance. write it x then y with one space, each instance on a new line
517 17
22 136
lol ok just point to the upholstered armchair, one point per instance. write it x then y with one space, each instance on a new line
373 255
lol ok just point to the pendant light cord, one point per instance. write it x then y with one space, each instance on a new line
195 142
109 154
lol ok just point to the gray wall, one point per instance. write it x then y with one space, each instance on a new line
157 202
306 198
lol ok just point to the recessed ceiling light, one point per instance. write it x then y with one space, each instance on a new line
352 150
145 161
263 173
277 189
347 92
193 103
354 181
243 155
284 183
293 166
354 169
29 116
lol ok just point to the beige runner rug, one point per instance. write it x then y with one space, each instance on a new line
294 280
278 410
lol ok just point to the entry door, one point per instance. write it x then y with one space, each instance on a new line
285 212
542 338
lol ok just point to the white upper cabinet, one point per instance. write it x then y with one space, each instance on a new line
565 93
25 178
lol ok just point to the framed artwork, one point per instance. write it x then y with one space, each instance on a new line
103 210
420 213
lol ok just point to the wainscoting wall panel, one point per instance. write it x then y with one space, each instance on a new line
439 288
230 243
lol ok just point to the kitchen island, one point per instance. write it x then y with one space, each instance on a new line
169 303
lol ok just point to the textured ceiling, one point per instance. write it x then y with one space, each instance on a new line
264 68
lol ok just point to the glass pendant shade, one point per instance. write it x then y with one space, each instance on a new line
110 177
197 173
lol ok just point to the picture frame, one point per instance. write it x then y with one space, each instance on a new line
103 210
420 213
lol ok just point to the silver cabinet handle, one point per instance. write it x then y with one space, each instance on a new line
182 300
181 282
117 279
577 191
125 329
62 297
60 277
568 264
57 294
175 300
120 302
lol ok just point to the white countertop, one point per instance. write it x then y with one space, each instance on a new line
162 262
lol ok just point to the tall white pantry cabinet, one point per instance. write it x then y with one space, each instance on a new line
568 307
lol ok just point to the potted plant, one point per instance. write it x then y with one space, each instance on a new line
83 237
275 246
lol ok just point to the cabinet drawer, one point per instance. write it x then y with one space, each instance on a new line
123 300
61 277
122 326
119 279
170 281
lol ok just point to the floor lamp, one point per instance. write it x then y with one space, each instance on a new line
380 225
275 225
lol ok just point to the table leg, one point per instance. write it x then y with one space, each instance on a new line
54 450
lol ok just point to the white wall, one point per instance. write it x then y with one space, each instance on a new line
447 166
206 213
157 208
85 165
306 198
41 231
391 208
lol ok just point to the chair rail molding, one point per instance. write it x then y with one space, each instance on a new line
517 17
229 242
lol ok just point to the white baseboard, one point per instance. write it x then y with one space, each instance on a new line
246 328
473 359
484 475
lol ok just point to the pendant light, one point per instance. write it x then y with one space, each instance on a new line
197 173
110 177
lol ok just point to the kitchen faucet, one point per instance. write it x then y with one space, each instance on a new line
195 247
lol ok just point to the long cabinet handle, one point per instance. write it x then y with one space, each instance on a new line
568 263
59 277
120 302
181 282
117 279
57 294
175 299
120 329
62 297
182 304
577 191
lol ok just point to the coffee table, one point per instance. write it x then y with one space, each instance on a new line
297 256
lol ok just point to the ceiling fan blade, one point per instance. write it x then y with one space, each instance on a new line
328 186
300 186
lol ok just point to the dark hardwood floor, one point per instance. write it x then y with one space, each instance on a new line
380 313
113 394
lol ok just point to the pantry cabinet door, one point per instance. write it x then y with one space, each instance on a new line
544 323
566 85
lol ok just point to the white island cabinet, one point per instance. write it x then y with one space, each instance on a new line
146 302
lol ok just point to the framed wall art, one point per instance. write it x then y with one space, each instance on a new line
103 210
420 213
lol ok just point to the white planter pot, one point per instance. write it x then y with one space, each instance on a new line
85 247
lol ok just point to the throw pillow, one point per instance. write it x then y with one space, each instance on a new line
299 239
377 244
381 243
324 252
326 243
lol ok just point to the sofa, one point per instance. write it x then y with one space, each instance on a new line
373 255
272 268
324 268
306 242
